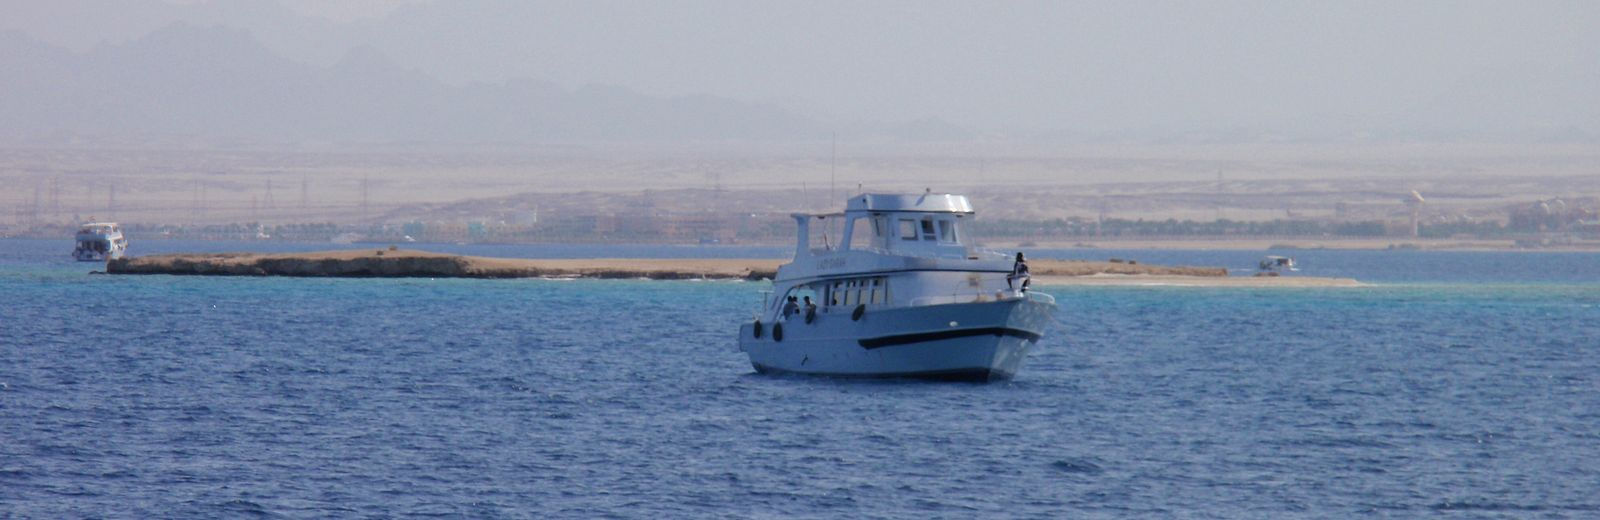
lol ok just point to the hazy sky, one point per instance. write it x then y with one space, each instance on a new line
1309 69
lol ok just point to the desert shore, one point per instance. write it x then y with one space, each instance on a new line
386 263
1153 280
1263 244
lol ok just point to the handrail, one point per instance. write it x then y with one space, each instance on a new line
972 297
979 295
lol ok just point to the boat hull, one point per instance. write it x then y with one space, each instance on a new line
88 255
93 247
978 341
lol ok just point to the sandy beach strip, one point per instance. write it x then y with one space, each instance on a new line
356 263
1140 280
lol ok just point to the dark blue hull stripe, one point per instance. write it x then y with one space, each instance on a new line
922 337
967 374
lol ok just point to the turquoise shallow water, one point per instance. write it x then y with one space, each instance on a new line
220 397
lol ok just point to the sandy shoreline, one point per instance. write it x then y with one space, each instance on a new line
1194 281
367 263
1264 244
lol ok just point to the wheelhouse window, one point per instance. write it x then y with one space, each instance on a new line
947 231
927 228
863 233
908 229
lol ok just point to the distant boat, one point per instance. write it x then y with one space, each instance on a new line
905 293
100 241
1277 263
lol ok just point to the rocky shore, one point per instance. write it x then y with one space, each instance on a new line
382 263
389 263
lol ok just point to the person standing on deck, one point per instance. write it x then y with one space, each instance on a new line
791 308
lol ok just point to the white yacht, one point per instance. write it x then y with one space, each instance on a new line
904 292
1276 264
100 241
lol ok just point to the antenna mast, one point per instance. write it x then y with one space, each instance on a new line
55 196
833 166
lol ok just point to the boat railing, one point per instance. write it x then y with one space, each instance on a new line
766 300
970 294
970 297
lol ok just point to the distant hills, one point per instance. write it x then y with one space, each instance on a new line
216 83
1036 75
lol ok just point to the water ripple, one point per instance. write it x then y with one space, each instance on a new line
221 397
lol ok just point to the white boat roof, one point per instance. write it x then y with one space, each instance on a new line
926 202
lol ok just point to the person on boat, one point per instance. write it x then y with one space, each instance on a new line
811 310
1019 271
791 308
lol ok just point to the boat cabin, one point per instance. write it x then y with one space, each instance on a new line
99 229
889 250
927 225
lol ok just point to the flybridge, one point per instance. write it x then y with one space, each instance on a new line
927 203
908 225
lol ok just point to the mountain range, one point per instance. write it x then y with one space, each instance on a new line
220 83
1025 73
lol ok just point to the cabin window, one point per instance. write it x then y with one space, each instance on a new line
947 231
800 294
880 232
859 227
927 229
849 292
908 229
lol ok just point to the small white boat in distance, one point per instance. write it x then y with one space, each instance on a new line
903 293
1277 263
100 241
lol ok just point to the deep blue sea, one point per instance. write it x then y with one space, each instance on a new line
1458 385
